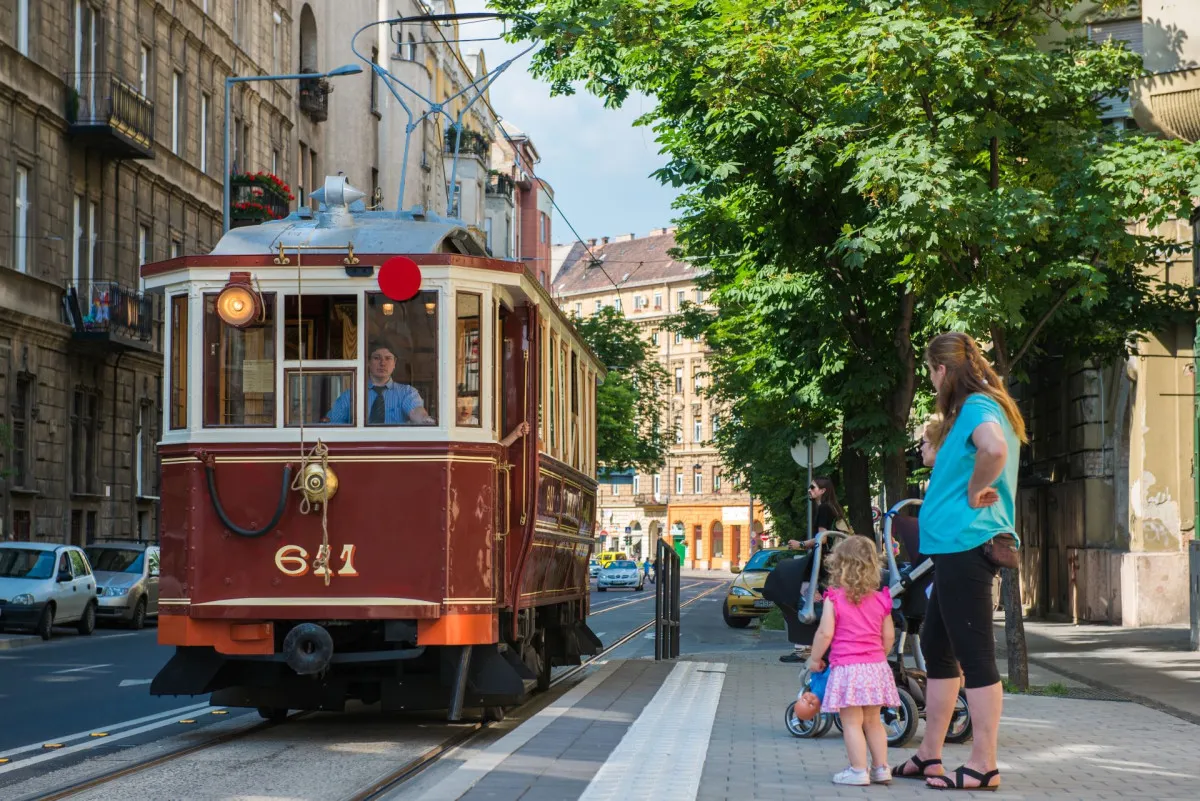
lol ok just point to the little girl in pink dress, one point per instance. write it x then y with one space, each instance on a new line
857 623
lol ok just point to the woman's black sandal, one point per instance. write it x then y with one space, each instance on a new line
946 783
919 764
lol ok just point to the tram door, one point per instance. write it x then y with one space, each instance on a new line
514 328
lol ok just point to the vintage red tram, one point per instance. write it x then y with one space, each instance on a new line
350 510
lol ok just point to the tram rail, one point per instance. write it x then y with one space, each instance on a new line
381 787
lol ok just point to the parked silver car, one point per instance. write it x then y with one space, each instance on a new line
43 585
126 580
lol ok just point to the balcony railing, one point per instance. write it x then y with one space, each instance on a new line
649 499
499 184
314 97
106 112
256 198
472 143
106 311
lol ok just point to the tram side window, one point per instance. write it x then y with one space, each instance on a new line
179 366
468 400
239 368
401 362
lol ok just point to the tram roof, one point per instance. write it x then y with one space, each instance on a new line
371 232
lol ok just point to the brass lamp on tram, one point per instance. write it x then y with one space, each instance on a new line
239 304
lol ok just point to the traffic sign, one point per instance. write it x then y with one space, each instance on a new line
811 454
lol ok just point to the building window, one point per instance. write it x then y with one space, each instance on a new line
176 84
374 81
23 27
144 71
237 20
21 220
77 240
697 482
678 380
658 301
144 436
654 339
93 239
84 431
699 295
637 484
143 252
616 489
716 424
678 430
275 42
657 485
696 378
716 479
599 306
544 229
203 133
697 434
21 407
85 54
176 248
617 304
578 309
678 338
21 525
678 300
409 51
275 170
678 481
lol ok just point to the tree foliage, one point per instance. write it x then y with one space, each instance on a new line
858 175
630 403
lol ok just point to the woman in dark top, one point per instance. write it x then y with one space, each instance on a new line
826 517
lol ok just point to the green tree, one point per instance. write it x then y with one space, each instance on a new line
630 403
860 174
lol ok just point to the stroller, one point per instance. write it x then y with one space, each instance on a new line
907 582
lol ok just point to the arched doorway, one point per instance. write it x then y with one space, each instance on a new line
637 545
308 40
735 545
716 544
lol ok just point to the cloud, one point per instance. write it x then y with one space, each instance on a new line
598 162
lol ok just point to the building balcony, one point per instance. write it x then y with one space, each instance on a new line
108 114
256 198
108 314
471 143
314 97
1168 103
649 499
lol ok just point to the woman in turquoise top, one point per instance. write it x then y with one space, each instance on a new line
970 500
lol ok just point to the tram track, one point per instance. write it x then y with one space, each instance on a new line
379 788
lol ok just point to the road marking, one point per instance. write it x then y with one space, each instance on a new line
80 669
611 607
676 725
88 732
133 682
94 743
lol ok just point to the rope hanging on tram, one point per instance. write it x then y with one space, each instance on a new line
210 471
315 488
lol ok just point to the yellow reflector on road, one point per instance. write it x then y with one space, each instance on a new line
53 745
99 734
220 712
187 721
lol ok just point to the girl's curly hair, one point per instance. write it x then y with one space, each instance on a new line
855 566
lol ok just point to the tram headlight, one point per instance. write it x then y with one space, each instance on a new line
238 304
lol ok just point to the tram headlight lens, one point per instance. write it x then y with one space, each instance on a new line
238 304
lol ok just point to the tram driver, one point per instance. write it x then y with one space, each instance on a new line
389 403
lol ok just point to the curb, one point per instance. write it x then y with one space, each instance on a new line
7 644
1158 706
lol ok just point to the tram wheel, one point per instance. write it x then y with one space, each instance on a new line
273 714
493 714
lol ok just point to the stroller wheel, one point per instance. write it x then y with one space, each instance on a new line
816 727
961 729
901 722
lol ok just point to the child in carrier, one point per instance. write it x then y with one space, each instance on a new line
856 628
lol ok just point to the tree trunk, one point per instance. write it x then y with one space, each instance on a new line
856 492
1010 580
895 476
1014 629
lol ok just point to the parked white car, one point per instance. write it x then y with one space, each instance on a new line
43 585
127 578
621 573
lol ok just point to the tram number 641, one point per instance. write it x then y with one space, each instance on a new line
292 560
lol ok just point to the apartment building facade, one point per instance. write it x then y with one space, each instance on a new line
693 498
110 118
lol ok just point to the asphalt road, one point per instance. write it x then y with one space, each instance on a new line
68 691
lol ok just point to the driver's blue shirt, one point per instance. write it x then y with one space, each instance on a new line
399 400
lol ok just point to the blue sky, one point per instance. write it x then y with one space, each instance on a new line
597 161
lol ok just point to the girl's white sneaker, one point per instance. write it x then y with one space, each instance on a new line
881 774
852 776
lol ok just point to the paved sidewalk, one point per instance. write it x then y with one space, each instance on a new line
711 727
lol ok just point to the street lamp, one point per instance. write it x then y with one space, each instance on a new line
345 69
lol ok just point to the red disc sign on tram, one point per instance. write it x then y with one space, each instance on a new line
400 278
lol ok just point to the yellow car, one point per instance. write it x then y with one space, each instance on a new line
744 601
